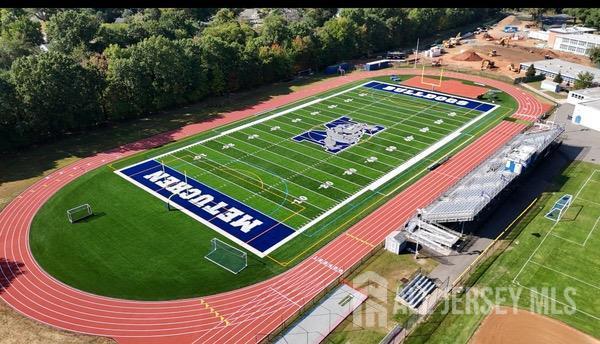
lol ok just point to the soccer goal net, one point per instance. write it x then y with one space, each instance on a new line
227 256
559 208
79 213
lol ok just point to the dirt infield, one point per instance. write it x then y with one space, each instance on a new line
447 86
526 327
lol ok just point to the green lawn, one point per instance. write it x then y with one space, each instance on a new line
135 248
551 265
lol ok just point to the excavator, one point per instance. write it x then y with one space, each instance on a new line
455 40
447 44
512 68
488 37
503 41
487 64
493 53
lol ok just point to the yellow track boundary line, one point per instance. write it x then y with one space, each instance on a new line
360 240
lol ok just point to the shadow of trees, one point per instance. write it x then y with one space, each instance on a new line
9 270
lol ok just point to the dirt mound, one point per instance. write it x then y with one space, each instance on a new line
468 55
508 21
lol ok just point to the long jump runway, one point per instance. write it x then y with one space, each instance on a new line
253 312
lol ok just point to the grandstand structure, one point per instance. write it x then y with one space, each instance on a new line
415 291
473 193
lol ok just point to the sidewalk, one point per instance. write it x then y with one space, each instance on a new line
543 94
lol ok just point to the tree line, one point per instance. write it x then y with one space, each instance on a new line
95 71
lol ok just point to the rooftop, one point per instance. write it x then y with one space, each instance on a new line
566 68
593 92
572 29
588 37
592 103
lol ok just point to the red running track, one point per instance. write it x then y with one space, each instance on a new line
254 311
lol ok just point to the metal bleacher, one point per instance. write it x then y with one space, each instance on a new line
414 292
476 190
433 236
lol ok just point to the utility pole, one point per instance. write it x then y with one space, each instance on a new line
417 53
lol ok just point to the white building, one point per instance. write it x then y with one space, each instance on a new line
578 44
587 114
587 107
578 96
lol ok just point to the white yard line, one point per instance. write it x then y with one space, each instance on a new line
371 187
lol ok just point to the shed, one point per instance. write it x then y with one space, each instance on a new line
379 64
550 86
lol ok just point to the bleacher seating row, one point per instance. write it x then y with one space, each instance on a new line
414 292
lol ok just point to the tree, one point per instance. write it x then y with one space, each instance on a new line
338 38
44 14
70 29
537 13
530 73
151 75
56 93
19 36
584 80
275 30
594 54
558 78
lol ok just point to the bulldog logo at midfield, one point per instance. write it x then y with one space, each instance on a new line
339 134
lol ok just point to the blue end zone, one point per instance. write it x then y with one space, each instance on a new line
216 210
433 96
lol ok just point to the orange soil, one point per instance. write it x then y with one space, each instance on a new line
447 86
526 327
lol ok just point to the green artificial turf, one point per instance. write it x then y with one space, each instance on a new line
135 248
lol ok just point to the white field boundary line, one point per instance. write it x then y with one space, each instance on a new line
566 275
371 187
555 300
550 231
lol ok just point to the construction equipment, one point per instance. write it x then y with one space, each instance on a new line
512 68
448 44
436 63
455 40
487 64
503 41
493 53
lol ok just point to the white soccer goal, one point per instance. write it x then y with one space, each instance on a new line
80 212
559 208
227 256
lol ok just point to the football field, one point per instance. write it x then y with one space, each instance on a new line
264 182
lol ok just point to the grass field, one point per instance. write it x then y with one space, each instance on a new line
134 248
554 265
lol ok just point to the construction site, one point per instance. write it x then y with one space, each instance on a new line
499 49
